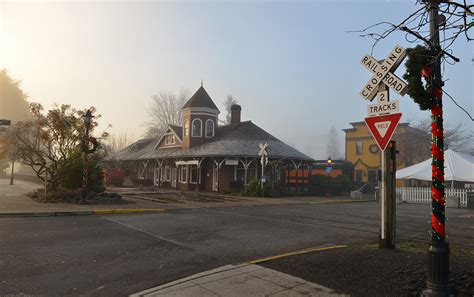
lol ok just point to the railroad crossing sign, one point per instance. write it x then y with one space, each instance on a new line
383 127
383 73
263 154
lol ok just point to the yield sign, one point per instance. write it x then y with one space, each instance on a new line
383 127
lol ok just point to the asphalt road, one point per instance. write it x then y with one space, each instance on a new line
123 254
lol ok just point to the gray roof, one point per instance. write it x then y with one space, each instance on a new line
178 130
240 140
201 99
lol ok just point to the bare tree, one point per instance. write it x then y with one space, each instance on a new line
228 102
118 141
456 20
165 110
333 148
458 137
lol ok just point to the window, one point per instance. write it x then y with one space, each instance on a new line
209 128
359 147
358 175
169 139
183 174
194 175
197 128
186 127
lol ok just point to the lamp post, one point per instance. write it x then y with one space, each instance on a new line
329 166
85 176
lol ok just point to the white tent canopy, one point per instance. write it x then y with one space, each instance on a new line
458 167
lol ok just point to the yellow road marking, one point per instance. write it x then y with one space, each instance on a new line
305 251
125 211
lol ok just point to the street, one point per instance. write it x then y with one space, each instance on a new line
118 255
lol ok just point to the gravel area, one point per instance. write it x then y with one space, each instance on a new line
366 270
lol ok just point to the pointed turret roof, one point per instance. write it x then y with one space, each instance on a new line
201 99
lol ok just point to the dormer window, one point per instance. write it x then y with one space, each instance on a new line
209 128
197 128
186 127
169 139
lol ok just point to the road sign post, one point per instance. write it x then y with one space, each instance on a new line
382 121
263 160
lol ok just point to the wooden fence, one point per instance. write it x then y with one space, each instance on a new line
423 195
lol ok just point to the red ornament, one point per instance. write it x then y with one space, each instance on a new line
426 71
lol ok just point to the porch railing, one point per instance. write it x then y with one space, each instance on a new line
423 195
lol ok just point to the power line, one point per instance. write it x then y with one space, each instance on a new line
469 115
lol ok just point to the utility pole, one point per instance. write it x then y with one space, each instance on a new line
438 256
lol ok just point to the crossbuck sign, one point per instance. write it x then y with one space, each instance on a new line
263 154
383 73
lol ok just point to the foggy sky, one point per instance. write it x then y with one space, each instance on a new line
291 66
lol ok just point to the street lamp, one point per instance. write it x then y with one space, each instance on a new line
85 176
329 166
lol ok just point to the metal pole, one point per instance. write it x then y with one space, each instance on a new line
85 175
438 255
13 171
382 200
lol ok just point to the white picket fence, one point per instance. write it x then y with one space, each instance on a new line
423 195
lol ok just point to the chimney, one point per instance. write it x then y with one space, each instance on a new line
235 114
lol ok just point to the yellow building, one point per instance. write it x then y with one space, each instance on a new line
363 152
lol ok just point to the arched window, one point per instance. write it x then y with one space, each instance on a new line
186 127
197 128
209 128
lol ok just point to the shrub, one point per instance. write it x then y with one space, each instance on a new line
322 184
71 173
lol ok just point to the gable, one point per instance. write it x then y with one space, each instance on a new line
169 139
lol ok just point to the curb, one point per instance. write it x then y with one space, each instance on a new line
79 213
341 201
126 211
46 214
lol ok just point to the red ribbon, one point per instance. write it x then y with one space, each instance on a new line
437 195
436 152
437 226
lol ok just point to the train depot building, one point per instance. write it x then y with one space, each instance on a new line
201 155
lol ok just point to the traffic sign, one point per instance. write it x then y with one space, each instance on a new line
383 127
381 70
4 122
390 79
382 108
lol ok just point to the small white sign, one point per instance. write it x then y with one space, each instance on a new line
232 162
382 127
382 108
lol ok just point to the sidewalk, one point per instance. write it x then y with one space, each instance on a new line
239 280
14 202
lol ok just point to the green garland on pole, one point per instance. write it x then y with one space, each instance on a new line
86 145
418 66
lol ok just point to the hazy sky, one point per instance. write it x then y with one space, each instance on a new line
290 64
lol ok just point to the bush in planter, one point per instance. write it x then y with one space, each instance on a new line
72 170
323 184
253 188
341 184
